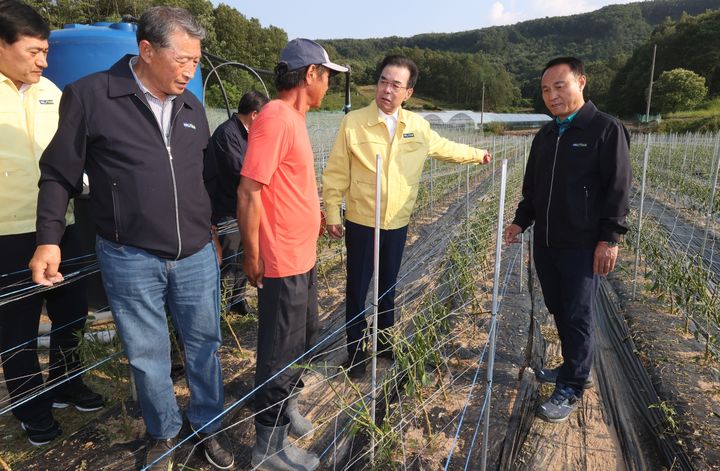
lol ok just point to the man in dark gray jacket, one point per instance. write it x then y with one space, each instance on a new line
575 191
141 137
229 144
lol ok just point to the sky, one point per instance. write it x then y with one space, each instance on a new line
334 19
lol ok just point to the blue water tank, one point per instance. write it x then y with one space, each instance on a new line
79 50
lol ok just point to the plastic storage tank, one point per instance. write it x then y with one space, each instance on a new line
79 50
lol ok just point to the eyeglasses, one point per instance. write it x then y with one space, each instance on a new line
394 86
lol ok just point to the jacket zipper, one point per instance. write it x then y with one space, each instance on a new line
116 212
552 180
172 171
174 182
587 196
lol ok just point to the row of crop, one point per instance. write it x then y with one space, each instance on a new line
424 372
679 170
683 280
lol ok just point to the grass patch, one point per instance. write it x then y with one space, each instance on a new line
705 118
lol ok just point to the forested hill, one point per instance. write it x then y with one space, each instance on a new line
609 34
693 43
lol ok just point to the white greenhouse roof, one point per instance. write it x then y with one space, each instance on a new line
463 117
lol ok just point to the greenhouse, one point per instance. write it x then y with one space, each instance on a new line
474 119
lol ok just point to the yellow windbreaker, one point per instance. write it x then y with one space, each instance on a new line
26 128
350 170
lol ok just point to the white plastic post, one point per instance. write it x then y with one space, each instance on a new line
376 269
495 307
467 200
711 203
432 182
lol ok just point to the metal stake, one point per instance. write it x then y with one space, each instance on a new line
493 323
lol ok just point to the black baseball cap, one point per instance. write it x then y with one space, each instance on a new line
302 52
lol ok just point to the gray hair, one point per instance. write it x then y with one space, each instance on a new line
158 23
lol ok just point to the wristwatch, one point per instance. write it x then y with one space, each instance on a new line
610 243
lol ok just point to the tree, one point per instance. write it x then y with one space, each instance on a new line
678 89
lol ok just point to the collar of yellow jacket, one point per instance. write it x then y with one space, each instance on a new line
41 85
4 78
373 115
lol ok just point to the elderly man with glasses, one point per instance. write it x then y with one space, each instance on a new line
141 137
404 140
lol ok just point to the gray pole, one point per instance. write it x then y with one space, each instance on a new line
522 234
482 111
649 97
642 203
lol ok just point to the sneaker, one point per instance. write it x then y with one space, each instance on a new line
38 434
550 376
154 449
81 397
562 403
356 365
218 449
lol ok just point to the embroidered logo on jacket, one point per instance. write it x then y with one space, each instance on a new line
579 144
47 102
408 134
189 125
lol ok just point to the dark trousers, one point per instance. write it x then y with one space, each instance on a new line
232 276
67 308
287 325
359 241
569 288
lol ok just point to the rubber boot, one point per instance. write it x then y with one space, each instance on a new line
300 427
274 452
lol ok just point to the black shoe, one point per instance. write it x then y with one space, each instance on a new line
550 376
157 448
40 434
242 307
82 397
356 365
218 449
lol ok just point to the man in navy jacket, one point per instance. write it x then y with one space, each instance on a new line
575 191
141 137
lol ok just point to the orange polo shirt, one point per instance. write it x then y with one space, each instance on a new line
280 157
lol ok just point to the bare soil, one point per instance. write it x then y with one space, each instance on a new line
614 429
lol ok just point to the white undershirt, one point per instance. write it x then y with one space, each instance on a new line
23 88
390 121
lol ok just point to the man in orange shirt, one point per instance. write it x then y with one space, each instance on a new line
279 218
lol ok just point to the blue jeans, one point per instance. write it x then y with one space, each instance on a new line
138 286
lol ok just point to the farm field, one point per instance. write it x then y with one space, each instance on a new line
656 400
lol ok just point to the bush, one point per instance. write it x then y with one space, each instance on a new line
678 90
706 124
495 128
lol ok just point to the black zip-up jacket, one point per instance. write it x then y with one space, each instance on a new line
577 185
142 193
229 144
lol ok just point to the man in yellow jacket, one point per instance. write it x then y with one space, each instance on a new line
404 140
28 120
